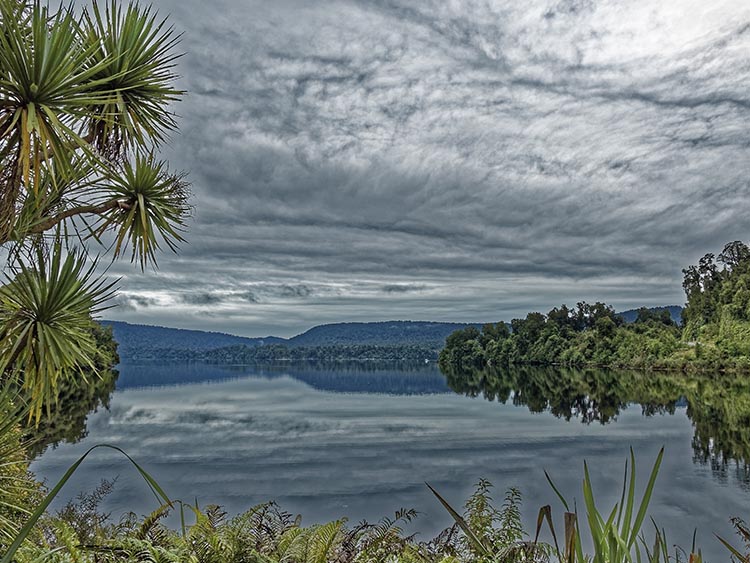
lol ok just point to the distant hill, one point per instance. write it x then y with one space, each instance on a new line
150 342
675 312
388 333
146 342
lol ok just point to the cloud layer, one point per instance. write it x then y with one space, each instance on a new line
449 160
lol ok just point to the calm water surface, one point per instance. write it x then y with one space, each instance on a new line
361 441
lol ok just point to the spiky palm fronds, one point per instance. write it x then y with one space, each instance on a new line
134 65
153 205
45 313
43 90
59 188
91 86
46 88
85 98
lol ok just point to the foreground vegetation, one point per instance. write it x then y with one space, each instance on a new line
80 532
715 331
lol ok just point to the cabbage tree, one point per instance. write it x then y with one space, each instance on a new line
86 96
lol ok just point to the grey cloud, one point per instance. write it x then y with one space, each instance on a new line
294 291
248 296
403 288
131 302
525 153
203 298
278 291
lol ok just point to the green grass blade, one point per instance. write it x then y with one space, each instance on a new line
23 534
646 498
472 537
622 497
557 492
628 518
732 550
595 520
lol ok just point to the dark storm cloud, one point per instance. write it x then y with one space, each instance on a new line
130 302
203 298
506 156
295 290
403 288
248 296
207 298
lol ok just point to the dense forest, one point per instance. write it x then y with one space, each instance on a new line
387 333
243 354
714 333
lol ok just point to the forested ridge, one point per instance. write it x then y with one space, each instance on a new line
714 333
137 341
400 340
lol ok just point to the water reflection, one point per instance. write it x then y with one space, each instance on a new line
67 421
360 440
391 378
67 418
717 405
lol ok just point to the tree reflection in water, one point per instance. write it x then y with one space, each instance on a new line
717 405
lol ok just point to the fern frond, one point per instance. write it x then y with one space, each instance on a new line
150 524
324 541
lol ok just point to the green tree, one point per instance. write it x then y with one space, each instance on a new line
85 100
76 398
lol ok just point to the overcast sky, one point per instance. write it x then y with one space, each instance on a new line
448 160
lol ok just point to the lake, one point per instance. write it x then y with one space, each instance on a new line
361 440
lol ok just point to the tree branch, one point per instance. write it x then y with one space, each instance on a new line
50 222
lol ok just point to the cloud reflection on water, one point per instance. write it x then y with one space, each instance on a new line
246 440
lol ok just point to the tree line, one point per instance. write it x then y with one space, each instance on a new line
714 334
338 352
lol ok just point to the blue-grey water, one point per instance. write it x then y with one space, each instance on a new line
361 442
